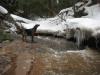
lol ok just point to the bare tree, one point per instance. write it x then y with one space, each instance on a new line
50 8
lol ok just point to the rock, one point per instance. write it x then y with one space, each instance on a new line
6 41
4 64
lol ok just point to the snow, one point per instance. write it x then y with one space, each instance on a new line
45 25
79 4
3 10
93 11
95 33
69 14
89 2
15 17
75 51
57 1
86 23
89 22
56 24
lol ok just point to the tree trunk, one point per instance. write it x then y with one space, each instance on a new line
50 8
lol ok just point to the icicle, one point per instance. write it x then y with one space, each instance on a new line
79 37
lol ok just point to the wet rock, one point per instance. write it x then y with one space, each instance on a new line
7 41
4 64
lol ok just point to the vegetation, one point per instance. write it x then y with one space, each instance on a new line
38 8
5 36
44 8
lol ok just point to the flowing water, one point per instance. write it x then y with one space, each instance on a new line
53 56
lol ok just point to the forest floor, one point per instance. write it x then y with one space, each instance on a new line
46 57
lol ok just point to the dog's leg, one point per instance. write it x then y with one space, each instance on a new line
25 37
32 37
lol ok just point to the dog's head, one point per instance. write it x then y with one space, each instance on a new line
37 25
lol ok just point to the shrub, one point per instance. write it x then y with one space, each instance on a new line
5 36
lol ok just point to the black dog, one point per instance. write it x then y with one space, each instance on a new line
31 32
27 32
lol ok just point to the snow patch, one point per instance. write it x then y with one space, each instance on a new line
96 33
3 10
77 51
86 23
16 18
93 11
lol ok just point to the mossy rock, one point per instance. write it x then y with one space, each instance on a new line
5 36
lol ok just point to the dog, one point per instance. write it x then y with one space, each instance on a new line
31 32
27 32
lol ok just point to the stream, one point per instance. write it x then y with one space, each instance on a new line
52 56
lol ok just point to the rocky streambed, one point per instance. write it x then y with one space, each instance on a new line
48 56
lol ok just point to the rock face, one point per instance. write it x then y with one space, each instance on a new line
94 41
